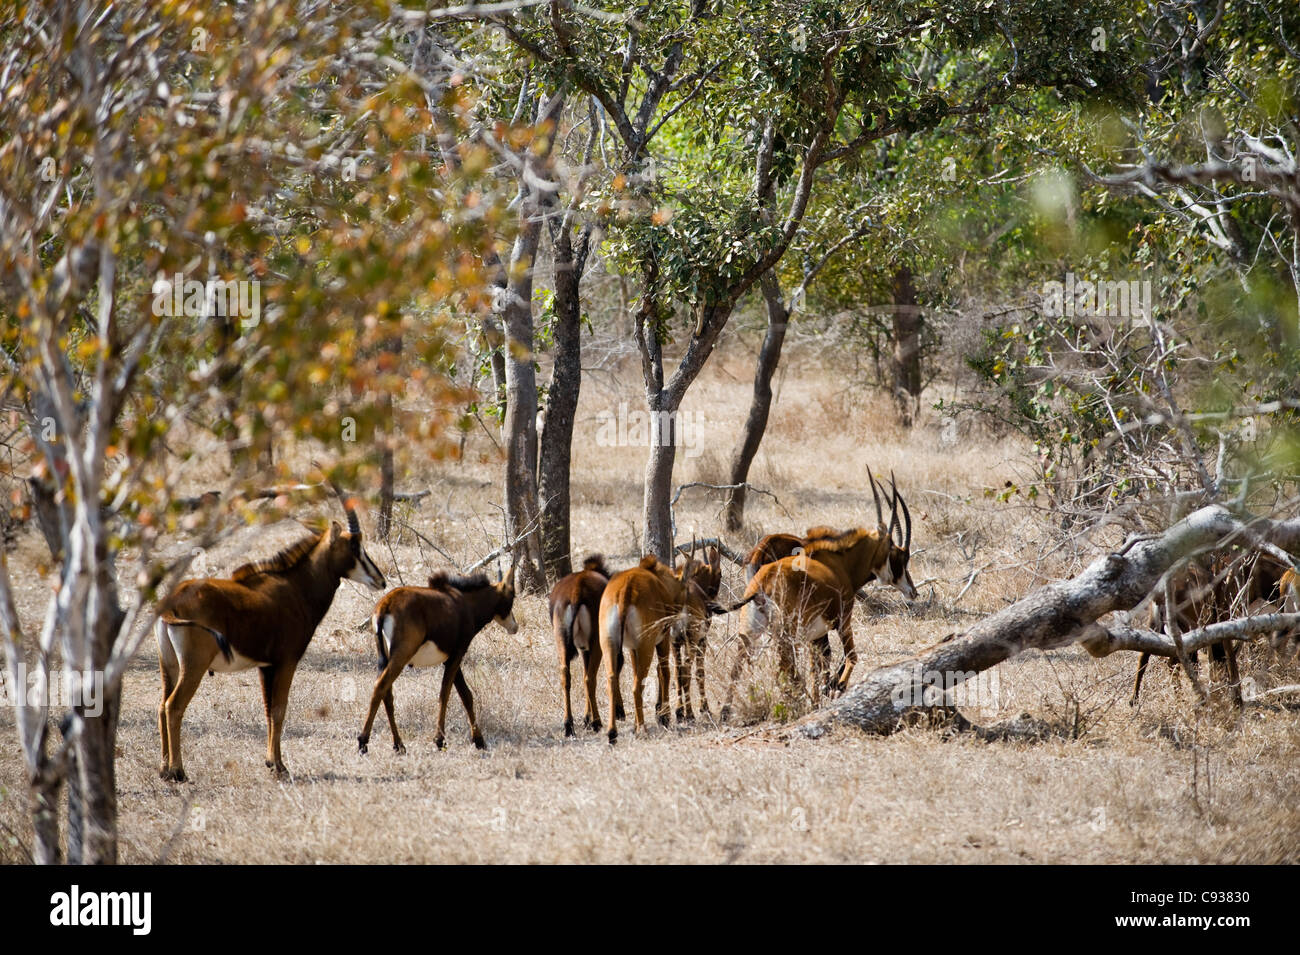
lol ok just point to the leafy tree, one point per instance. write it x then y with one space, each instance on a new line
1191 190
261 146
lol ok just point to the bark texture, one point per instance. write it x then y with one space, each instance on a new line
906 365
760 403
523 520
562 403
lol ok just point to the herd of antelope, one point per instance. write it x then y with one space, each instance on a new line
798 589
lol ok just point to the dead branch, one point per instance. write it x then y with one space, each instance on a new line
1057 615
734 556
1115 638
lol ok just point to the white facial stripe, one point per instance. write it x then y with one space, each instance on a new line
509 623
365 572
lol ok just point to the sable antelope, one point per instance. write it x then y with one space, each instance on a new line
575 604
639 612
703 581
263 616
813 591
771 549
426 626
1211 592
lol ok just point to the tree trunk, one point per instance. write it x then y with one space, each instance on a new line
92 768
562 407
907 346
658 494
657 538
92 790
45 818
521 428
522 517
663 402
384 519
1053 616
760 404
45 507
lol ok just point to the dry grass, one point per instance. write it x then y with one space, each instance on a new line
1162 783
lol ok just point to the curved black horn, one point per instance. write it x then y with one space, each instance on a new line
907 518
354 525
893 507
880 515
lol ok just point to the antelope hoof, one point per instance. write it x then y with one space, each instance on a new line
568 728
440 743
281 771
362 744
724 714
399 747
173 775
664 721
479 742
594 726
613 735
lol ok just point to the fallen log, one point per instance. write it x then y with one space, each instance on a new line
1057 615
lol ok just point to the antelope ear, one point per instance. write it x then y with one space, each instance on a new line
335 530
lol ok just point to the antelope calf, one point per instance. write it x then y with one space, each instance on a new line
263 616
427 626
813 592
575 605
703 581
639 611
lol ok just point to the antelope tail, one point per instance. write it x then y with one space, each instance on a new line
717 609
615 624
381 645
222 643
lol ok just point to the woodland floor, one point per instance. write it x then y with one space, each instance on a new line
1164 782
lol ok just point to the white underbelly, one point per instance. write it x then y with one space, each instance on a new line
428 655
179 637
